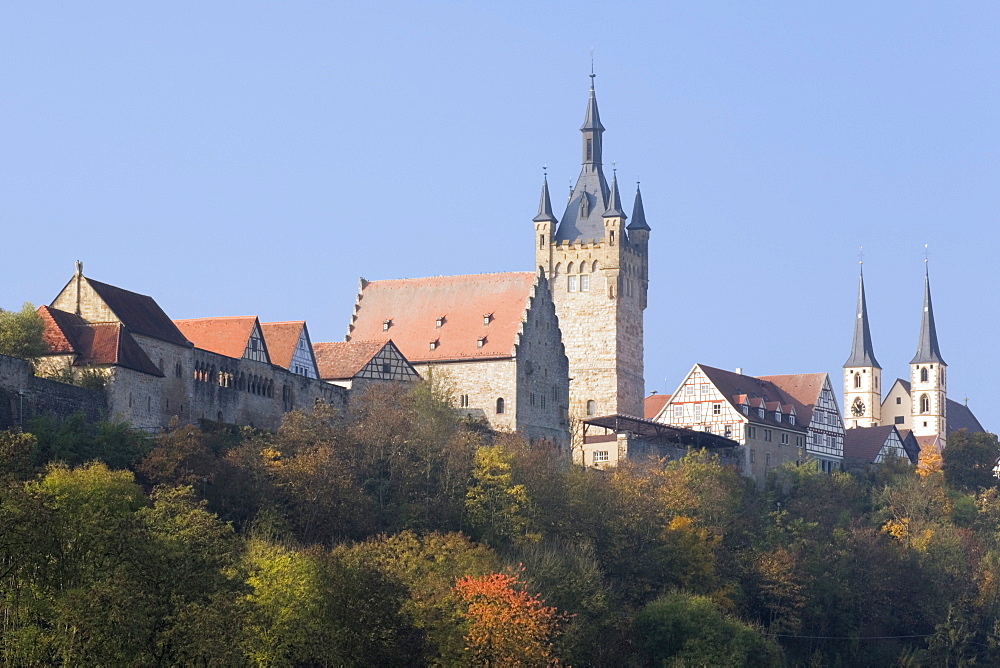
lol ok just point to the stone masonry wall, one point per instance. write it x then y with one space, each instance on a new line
24 396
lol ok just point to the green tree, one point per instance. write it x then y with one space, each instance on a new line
968 460
498 507
21 333
683 629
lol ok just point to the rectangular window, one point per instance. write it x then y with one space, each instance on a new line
753 455
767 435
729 431
571 283
584 283
899 400
678 412
716 409
601 456
767 459
751 431
899 419
784 439
697 412
704 389
689 390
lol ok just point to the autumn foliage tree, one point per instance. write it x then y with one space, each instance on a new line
508 626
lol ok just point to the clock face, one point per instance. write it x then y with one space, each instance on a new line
858 408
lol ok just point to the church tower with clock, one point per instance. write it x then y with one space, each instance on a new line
862 373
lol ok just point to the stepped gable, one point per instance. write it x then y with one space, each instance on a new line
338 360
94 344
802 390
408 312
139 313
282 338
653 404
758 392
866 442
226 336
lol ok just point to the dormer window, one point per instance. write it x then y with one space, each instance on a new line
481 342
386 324
760 412
791 419
746 409
777 416
487 318
439 321
434 345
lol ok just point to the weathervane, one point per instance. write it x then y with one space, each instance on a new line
861 254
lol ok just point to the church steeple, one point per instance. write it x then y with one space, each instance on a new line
545 205
592 130
927 345
862 353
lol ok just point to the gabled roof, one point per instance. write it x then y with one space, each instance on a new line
282 339
802 390
653 404
139 313
411 307
958 416
93 344
866 442
341 360
224 336
758 392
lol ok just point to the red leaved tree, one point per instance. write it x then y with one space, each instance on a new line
508 626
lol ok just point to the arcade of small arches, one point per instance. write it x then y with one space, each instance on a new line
223 377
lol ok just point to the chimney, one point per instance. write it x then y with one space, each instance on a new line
739 370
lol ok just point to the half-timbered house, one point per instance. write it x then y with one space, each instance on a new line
356 364
865 446
289 347
816 408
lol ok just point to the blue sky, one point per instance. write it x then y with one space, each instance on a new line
257 158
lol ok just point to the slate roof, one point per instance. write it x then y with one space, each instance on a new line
94 344
412 306
653 404
802 390
584 216
959 416
282 338
928 351
638 213
341 360
545 205
757 390
225 336
139 313
866 442
862 352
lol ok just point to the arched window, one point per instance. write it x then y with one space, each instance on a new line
591 407
569 268
857 380
541 241
595 265
612 237
923 375
500 406
925 403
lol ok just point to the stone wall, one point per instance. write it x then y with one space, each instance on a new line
24 396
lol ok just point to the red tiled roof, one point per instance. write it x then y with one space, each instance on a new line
97 344
803 391
225 336
412 307
653 404
282 338
340 360
139 313
866 442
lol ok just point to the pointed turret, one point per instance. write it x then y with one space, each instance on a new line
862 353
927 345
592 129
638 213
615 201
545 205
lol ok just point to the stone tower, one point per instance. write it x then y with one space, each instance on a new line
598 271
928 379
862 373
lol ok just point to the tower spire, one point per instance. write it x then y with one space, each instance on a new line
927 345
862 353
592 129
615 201
638 213
545 204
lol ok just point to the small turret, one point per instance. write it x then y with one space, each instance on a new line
543 228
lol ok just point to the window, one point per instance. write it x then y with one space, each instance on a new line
481 341
746 409
899 419
541 397
434 345
500 406
925 403
386 324
487 318
571 283
777 416
439 322
751 431
531 399
601 456
791 419
463 401
386 368
704 388
767 459
857 380
541 241
689 390
584 283
753 455
590 150
697 412
678 412
760 412
612 238
591 407
784 439
767 435
729 431
716 409
923 375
